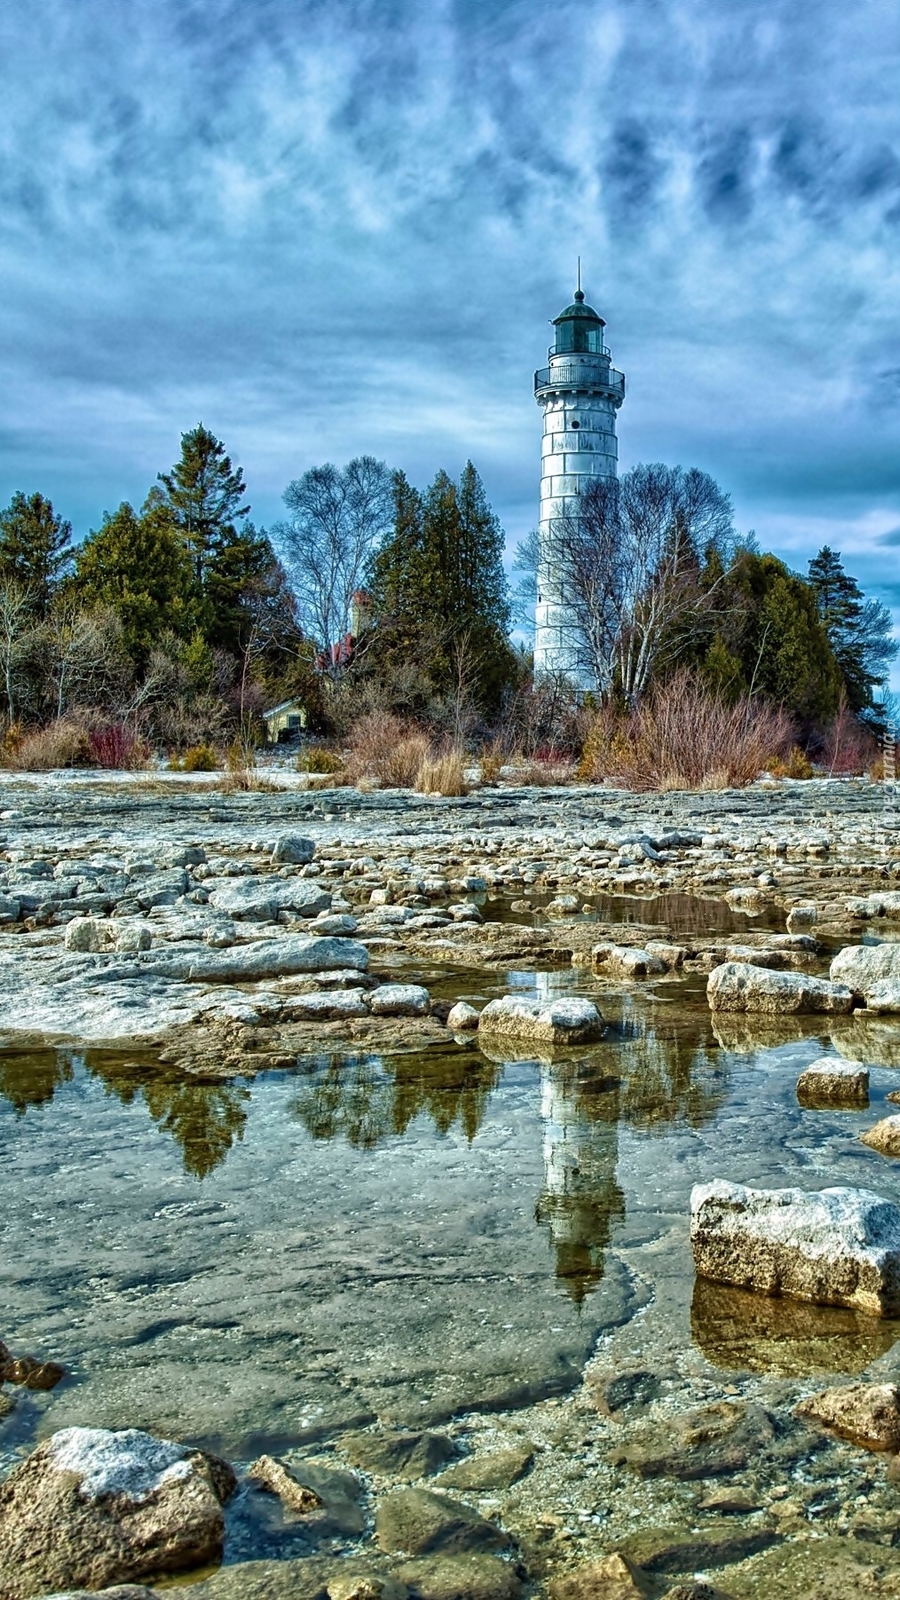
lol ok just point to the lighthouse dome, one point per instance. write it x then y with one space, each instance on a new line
579 328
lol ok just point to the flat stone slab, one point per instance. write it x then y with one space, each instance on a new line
260 899
738 986
833 1083
834 1247
564 1021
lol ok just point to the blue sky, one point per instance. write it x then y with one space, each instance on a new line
334 226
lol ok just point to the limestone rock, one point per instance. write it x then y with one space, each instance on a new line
365 1586
564 1021
292 849
336 924
625 961
131 937
866 1413
86 935
883 997
462 1017
864 967
399 1455
280 1480
737 986
309 1578
462 1578
799 917
611 1578
828 1082
277 958
422 1523
260 899
498 1469
706 1442
884 1136
400 1000
616 1392
835 1247
328 1007
91 1508
122 1591
673 1549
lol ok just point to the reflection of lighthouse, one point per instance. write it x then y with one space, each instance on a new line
581 1199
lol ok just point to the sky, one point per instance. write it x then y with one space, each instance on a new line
333 227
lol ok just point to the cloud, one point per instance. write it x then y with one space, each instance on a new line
328 228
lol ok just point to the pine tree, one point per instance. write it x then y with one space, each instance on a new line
34 549
204 493
859 630
138 564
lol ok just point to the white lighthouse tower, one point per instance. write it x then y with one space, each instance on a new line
579 394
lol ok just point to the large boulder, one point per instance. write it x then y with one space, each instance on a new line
293 849
260 899
564 1021
835 1247
738 986
90 1508
866 1413
872 971
828 1082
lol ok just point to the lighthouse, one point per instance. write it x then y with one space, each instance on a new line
579 394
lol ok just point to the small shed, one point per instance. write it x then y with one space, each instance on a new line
284 721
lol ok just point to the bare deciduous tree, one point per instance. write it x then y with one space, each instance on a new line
16 632
84 660
640 559
335 519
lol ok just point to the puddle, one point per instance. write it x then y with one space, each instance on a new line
674 914
259 1265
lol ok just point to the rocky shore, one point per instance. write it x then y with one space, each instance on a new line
225 937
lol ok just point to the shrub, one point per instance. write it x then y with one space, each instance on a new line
318 759
384 749
684 737
442 774
796 764
117 747
63 743
848 747
547 769
199 758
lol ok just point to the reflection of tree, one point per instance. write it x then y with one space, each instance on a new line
669 1077
31 1077
364 1099
204 1119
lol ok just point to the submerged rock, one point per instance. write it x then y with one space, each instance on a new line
741 1331
471 1577
498 1469
866 1413
707 1442
610 1578
566 1021
122 1591
835 1247
399 1455
422 1523
833 1083
737 986
91 1508
279 1480
884 1136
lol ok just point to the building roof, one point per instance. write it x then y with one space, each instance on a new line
580 310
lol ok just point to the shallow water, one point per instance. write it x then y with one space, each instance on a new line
258 1265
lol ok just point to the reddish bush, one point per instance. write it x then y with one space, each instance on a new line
117 747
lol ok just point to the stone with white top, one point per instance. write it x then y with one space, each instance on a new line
738 986
568 1020
832 1247
400 1000
828 1082
91 1507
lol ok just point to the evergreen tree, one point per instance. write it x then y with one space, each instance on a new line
34 549
138 564
769 621
204 493
859 630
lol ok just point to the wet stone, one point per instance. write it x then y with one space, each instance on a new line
672 1549
706 1442
630 1392
868 1414
421 1523
398 1455
498 1469
462 1578
281 1481
884 1136
611 1578
833 1083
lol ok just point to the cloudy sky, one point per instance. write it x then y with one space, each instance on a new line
333 226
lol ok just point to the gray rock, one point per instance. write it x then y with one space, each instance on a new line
710 1441
399 1000
312 1578
565 1021
863 966
833 1083
737 986
292 849
132 937
9 908
122 1591
277 958
610 1578
337 925
800 917
261 899
328 1007
463 1578
90 1508
422 1523
86 935
835 1247
498 1469
625 961
462 1017
884 996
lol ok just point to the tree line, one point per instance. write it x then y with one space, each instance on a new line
186 619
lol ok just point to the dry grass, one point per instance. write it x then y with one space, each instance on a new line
682 737
442 774
546 771
63 743
849 748
385 750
